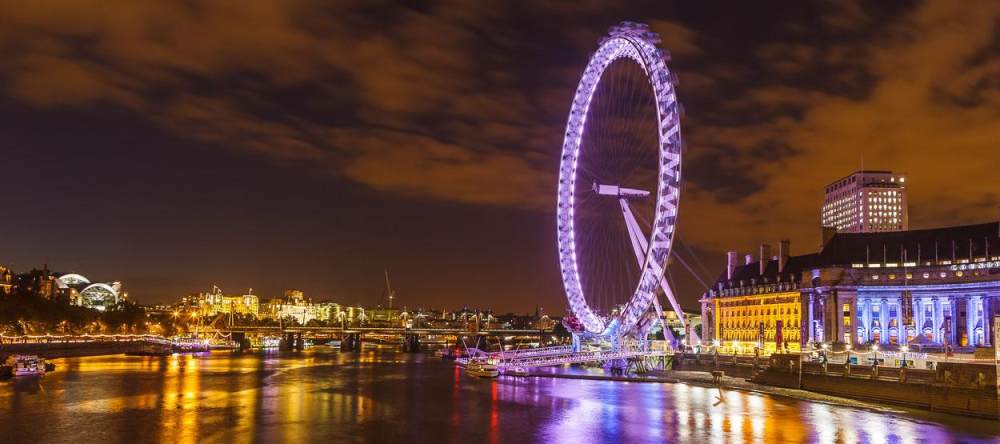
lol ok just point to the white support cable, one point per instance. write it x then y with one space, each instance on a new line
697 260
640 245
690 270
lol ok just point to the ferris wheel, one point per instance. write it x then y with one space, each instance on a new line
619 185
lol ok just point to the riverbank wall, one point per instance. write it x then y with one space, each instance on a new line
736 366
954 387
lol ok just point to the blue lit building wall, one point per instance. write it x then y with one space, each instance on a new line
958 314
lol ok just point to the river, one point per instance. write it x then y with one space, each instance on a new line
320 395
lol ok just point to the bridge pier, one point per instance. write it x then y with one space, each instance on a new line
411 343
288 342
350 342
240 338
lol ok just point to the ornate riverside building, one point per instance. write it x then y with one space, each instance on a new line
757 301
216 302
930 288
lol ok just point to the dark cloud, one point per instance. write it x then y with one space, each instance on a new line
465 102
723 171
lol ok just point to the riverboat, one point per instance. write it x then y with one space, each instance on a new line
516 371
27 365
482 369
151 350
447 353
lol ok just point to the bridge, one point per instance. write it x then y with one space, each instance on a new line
292 337
53 346
422 331
561 355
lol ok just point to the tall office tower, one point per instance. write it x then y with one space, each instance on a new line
867 201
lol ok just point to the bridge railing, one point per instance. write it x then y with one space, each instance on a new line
87 338
526 352
573 358
389 330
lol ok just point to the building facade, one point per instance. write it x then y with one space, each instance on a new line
867 201
936 289
216 302
79 290
6 281
757 302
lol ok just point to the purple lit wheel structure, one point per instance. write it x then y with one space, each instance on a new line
635 45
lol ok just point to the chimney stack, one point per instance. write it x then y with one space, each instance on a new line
730 264
765 252
748 259
784 252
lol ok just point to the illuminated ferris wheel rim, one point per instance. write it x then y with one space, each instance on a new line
638 43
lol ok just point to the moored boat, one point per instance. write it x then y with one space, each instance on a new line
481 368
151 350
26 365
516 371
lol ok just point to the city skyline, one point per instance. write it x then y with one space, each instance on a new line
537 221
311 165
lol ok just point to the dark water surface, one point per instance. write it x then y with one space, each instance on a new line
380 396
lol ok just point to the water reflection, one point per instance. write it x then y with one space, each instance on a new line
321 395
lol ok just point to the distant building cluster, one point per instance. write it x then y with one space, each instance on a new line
295 307
70 288
292 307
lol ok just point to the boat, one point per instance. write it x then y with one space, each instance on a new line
447 354
151 350
27 365
481 368
516 371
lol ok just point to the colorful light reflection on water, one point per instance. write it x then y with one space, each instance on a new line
322 396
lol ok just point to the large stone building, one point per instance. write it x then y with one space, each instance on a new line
934 288
6 281
215 302
40 283
866 201
757 301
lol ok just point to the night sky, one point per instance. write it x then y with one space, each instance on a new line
309 145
